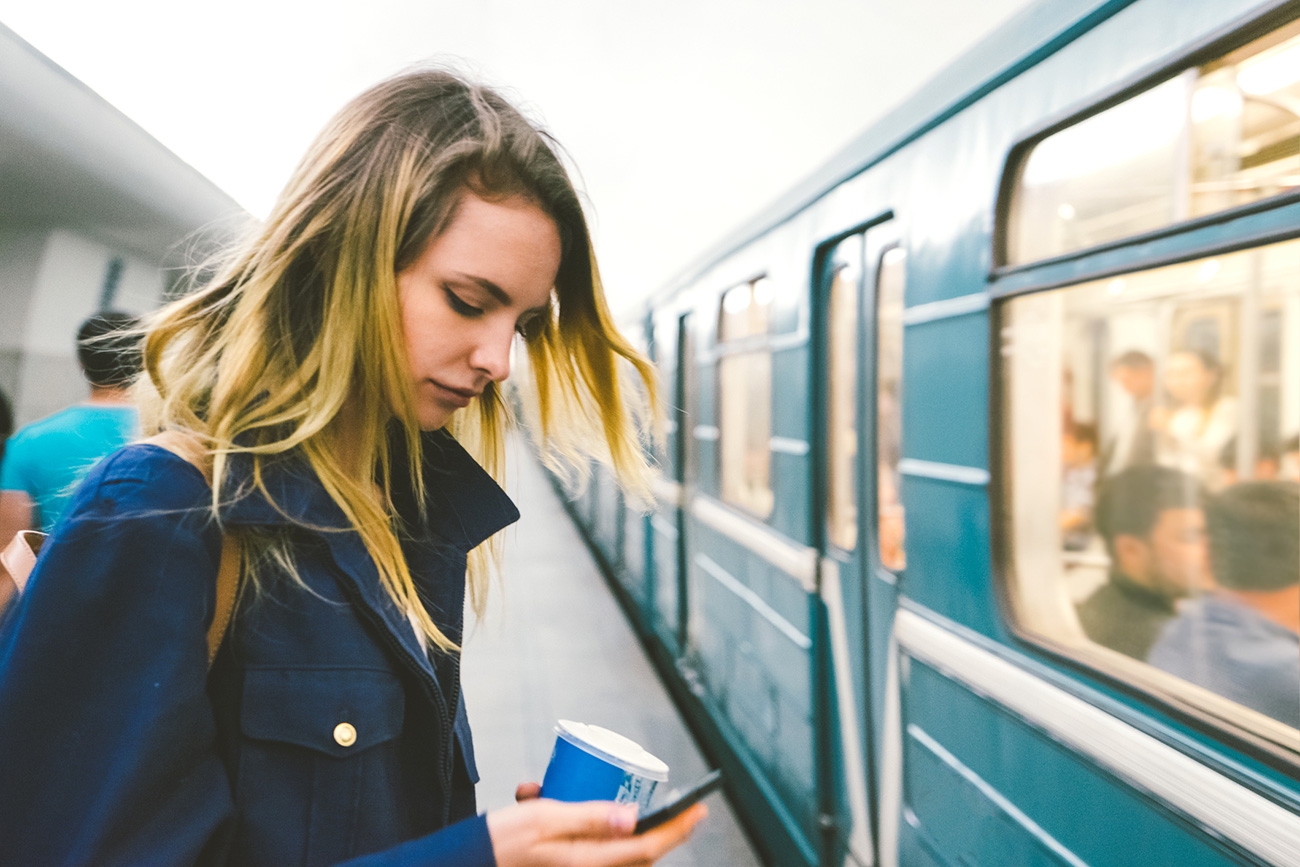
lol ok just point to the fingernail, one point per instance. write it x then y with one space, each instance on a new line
622 819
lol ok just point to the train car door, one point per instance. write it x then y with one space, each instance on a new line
669 523
860 539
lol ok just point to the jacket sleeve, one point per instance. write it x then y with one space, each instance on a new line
106 732
464 844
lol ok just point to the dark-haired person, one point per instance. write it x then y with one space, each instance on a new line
44 460
6 423
1243 640
1290 465
1135 442
1154 528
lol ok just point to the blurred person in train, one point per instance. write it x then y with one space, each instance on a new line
1202 420
1078 484
1268 463
1134 443
339 377
1242 641
45 459
1290 464
1151 519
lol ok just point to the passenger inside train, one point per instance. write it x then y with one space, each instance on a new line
1241 641
1190 376
1154 530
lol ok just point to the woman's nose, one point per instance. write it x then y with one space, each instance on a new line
492 353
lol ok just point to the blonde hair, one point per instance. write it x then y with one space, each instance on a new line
296 346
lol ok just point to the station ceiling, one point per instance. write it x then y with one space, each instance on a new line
70 159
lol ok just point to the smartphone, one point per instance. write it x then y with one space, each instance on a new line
706 784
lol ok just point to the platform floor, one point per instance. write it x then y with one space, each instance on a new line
555 645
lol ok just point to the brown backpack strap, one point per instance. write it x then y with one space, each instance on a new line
227 590
188 446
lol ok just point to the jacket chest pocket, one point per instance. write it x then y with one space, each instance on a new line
318 772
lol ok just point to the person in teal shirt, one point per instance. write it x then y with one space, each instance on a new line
44 461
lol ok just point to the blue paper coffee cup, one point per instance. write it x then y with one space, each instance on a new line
590 763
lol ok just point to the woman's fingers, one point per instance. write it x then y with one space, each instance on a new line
527 791
543 833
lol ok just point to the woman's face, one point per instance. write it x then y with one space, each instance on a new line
467 295
1187 379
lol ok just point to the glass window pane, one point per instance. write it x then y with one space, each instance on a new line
745 430
841 393
1217 136
745 310
1151 483
889 402
1107 177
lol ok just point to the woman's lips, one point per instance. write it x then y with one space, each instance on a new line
458 396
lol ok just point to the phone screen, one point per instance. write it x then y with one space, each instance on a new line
706 784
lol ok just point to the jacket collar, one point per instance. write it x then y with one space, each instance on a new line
464 507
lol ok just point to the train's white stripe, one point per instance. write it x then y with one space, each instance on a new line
664 528
753 600
788 446
797 561
1208 798
946 309
944 472
707 432
669 493
995 796
859 836
891 762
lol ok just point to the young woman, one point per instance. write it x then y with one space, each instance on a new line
1203 420
341 379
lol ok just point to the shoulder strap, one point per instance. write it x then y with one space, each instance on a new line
19 557
187 446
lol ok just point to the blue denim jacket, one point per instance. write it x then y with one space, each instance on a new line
322 734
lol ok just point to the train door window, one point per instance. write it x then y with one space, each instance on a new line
889 401
842 393
1152 476
745 397
1220 135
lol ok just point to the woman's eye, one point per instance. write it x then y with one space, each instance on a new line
460 306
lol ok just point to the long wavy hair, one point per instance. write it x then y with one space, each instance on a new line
295 345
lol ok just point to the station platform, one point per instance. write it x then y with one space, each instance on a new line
555 645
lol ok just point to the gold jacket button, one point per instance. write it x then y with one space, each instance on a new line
345 735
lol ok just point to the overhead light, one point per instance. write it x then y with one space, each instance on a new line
1212 102
1208 271
736 300
1270 72
1066 211
1116 286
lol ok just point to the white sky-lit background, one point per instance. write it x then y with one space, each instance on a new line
682 116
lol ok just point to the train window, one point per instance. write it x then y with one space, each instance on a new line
1152 474
1220 135
845 267
745 397
889 401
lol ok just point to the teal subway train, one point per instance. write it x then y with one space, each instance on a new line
976 536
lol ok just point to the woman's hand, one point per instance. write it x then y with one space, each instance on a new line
527 792
545 833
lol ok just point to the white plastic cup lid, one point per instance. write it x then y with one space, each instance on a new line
612 747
